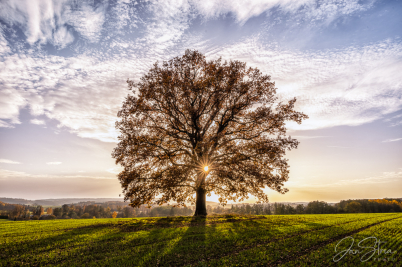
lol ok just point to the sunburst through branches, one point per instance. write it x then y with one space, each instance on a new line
204 167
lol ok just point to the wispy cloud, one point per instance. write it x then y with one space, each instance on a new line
55 21
394 117
11 101
396 123
7 174
7 161
395 120
40 20
53 163
38 122
309 137
88 20
392 140
386 177
115 170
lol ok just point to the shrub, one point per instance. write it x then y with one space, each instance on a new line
47 217
85 216
35 217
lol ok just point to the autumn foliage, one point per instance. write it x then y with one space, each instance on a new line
189 113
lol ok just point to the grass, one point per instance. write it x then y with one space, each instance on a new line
287 240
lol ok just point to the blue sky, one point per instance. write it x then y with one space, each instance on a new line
64 66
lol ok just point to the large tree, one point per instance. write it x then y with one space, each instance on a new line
192 126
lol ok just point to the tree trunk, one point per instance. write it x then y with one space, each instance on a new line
201 202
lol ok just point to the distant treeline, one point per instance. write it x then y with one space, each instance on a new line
317 207
122 210
84 211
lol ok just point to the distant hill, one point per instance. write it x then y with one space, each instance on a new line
62 201
211 203
57 201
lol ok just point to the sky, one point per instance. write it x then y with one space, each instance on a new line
64 66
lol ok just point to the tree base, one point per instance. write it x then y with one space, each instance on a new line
201 201
200 214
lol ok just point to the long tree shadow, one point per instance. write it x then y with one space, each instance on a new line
185 249
206 239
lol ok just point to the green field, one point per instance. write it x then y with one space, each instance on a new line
287 240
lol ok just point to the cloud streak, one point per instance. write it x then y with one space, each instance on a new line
7 174
7 161
53 163
37 122
392 140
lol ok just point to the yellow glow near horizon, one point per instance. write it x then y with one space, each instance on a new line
206 168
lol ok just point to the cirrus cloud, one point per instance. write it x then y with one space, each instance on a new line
7 161
53 163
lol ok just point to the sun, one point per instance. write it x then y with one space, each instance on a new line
204 166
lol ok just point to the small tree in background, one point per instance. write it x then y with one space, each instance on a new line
39 211
18 211
300 209
128 212
65 209
194 127
58 212
353 207
49 211
171 213
114 215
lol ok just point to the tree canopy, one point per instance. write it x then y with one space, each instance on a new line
197 126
